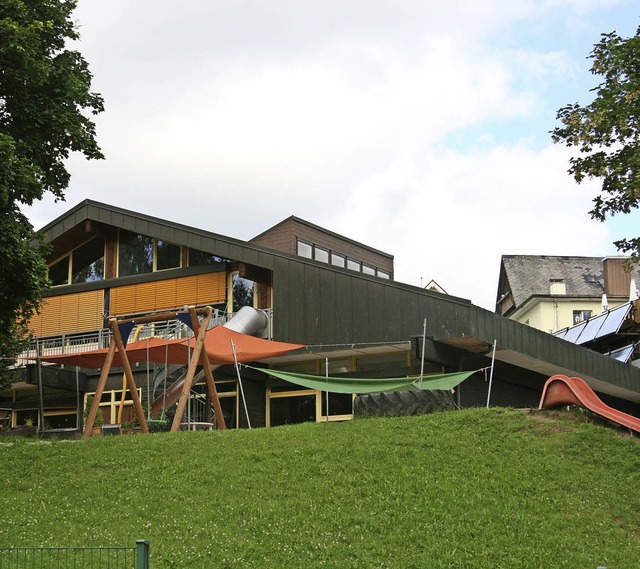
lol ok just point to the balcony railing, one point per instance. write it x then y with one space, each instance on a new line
98 339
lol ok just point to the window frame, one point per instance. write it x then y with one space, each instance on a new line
322 251
333 255
69 258
156 255
302 242
368 270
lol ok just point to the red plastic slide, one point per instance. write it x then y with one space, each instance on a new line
563 390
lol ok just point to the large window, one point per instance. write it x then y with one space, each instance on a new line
59 272
242 292
291 407
135 254
200 258
139 254
88 262
53 419
110 404
288 405
82 265
167 256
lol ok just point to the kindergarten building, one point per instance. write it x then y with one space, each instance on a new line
308 286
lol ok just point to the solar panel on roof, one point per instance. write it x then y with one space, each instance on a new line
573 333
615 318
623 354
599 326
592 328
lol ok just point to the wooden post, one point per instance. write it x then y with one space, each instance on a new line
188 380
211 385
118 344
99 389
129 375
40 392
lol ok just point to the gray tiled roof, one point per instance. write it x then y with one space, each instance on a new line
530 275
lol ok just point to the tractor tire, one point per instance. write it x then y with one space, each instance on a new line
402 403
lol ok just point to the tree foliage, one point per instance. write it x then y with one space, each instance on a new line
606 132
242 293
45 108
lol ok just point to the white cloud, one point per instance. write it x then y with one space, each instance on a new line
386 124
454 220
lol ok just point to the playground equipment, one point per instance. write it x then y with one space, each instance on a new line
562 390
199 356
219 345
247 320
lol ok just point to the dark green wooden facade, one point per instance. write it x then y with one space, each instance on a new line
315 303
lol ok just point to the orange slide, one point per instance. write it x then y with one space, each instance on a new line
562 390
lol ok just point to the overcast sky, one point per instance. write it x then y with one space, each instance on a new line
415 126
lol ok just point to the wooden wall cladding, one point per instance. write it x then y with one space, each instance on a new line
68 313
209 288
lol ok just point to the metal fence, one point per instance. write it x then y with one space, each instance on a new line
136 557
98 339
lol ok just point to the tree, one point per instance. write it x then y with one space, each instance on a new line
607 131
44 101
242 292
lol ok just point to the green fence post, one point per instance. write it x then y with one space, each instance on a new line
142 559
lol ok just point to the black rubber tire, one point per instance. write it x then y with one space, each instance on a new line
402 403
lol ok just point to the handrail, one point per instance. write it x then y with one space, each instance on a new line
98 339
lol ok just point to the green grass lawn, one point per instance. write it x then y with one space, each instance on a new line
474 488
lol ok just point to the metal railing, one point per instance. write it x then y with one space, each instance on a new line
98 339
66 344
136 557
198 410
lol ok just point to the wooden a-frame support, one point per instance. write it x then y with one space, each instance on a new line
201 357
198 354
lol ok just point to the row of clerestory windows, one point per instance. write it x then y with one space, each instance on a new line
324 255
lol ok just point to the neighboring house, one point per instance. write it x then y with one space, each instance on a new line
435 287
553 292
109 262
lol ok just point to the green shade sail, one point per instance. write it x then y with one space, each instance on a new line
360 385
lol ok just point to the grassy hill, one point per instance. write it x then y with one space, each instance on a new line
474 488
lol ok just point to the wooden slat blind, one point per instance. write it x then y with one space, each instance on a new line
66 314
208 288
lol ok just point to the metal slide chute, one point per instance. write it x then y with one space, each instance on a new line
247 320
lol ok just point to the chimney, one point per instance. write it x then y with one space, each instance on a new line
557 287
617 279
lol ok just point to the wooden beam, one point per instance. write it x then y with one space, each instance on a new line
106 368
129 375
211 385
163 316
193 364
